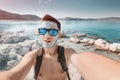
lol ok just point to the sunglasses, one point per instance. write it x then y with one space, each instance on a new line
52 32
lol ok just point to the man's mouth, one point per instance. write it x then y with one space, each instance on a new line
47 41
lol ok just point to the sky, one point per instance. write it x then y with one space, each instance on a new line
64 8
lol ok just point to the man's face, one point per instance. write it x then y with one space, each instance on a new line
49 33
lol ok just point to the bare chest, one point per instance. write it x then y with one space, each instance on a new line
51 69
50 65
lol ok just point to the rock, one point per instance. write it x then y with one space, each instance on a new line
36 45
11 54
20 48
24 47
4 35
87 40
102 43
3 60
2 57
79 35
63 35
84 40
12 63
75 40
115 47
91 41
12 38
16 39
5 48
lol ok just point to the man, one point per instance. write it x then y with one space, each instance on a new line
50 67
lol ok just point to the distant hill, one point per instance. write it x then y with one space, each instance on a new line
110 18
4 15
90 19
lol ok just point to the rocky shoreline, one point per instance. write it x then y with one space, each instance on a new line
99 43
13 47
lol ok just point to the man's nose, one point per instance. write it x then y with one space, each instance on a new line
47 34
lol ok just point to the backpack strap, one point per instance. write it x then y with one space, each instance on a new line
38 65
62 60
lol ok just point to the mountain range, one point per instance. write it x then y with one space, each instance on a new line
91 19
5 15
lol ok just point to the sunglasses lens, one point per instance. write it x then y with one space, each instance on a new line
53 32
42 31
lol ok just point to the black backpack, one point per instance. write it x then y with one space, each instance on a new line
61 59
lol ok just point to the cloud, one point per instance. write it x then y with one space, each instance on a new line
44 1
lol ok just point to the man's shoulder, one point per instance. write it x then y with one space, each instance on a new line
69 50
68 53
39 51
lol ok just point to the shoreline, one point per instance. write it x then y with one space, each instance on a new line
77 38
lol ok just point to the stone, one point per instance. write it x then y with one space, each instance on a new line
36 45
79 35
115 47
102 43
12 38
5 48
3 57
75 40
87 41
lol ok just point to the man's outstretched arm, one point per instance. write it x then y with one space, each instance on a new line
96 67
20 71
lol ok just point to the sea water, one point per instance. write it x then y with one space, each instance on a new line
109 30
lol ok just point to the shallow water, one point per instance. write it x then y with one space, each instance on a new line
109 30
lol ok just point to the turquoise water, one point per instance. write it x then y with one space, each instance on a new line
109 30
